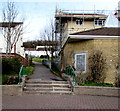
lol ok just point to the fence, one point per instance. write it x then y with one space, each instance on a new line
46 63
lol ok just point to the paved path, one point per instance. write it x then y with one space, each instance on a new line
60 102
43 73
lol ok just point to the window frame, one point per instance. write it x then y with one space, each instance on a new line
79 20
97 22
75 63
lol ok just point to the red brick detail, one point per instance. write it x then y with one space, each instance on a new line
24 60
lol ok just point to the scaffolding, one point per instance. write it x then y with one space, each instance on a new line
63 30
80 16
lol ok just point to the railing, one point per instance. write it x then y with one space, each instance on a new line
47 63
22 72
70 71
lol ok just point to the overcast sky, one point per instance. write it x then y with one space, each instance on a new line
37 13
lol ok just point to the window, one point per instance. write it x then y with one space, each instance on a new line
79 21
80 62
99 22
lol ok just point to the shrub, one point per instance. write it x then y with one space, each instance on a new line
11 65
12 80
117 81
30 61
44 56
97 66
55 68
6 63
81 78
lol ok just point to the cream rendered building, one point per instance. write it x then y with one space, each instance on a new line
68 23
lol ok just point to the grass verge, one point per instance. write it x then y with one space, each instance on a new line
37 60
98 84
29 70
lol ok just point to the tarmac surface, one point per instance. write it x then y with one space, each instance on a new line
43 73
51 101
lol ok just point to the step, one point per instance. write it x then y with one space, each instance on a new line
46 85
47 82
61 89
46 89
37 86
37 89
47 92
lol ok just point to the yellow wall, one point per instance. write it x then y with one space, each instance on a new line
109 47
87 25
72 27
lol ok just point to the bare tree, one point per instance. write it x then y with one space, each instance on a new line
97 67
48 38
53 40
45 39
12 30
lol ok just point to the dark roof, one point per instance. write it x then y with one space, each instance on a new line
13 24
65 13
100 31
80 15
32 44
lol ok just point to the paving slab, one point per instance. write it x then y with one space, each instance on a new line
47 101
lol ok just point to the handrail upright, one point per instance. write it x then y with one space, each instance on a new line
22 72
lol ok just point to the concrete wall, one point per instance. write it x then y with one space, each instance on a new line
96 91
93 90
109 47
11 90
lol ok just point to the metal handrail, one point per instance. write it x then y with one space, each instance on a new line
22 72
70 71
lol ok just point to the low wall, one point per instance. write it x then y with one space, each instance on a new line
14 90
11 90
96 91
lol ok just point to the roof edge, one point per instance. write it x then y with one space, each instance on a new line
92 37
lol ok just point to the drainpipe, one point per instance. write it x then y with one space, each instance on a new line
15 48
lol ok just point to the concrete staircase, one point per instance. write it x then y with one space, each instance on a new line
36 86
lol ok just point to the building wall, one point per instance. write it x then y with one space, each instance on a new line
76 47
3 45
109 47
72 27
19 49
2 42
87 25
110 51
